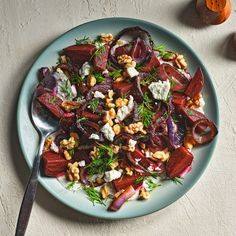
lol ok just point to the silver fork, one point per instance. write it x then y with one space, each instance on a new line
44 124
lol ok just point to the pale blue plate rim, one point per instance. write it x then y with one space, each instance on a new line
216 120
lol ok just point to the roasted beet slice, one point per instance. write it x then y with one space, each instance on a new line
52 103
122 87
179 81
54 164
100 61
79 54
124 182
179 160
179 98
152 64
90 116
196 84
125 49
191 115
204 131
118 202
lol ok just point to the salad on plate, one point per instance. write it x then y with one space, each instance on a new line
130 113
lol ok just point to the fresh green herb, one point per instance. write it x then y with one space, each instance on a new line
93 195
145 111
177 180
65 88
100 48
82 119
139 66
172 82
190 112
138 180
175 117
70 185
76 79
105 148
99 77
94 104
100 165
161 49
83 40
152 76
115 73
71 152
152 185
168 55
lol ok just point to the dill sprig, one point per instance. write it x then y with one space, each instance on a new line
138 180
115 73
93 195
94 104
100 48
104 148
70 185
151 77
152 185
161 48
82 119
177 180
76 79
145 111
83 40
99 77
65 88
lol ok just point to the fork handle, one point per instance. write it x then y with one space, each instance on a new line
29 196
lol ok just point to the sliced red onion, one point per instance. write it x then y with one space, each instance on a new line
118 202
43 72
137 91
204 131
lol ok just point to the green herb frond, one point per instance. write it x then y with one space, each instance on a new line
94 104
83 40
93 195
177 180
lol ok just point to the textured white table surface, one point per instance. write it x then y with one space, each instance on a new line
26 27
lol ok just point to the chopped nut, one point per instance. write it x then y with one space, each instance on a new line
114 164
67 155
91 80
116 128
68 144
110 122
47 143
63 59
99 180
135 128
144 194
112 113
124 59
94 153
129 171
104 191
111 105
115 148
69 105
106 38
119 78
180 62
194 102
73 171
130 64
161 155
189 141
110 94
120 102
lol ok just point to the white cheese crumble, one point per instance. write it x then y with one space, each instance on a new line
125 110
148 154
98 94
81 163
94 136
108 132
160 89
111 175
85 69
119 43
202 104
131 71
54 147
131 145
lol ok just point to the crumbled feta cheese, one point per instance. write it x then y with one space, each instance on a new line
64 88
125 110
148 154
108 132
94 136
160 89
131 71
150 168
81 163
98 94
105 72
119 43
54 147
73 91
85 69
111 175
131 145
